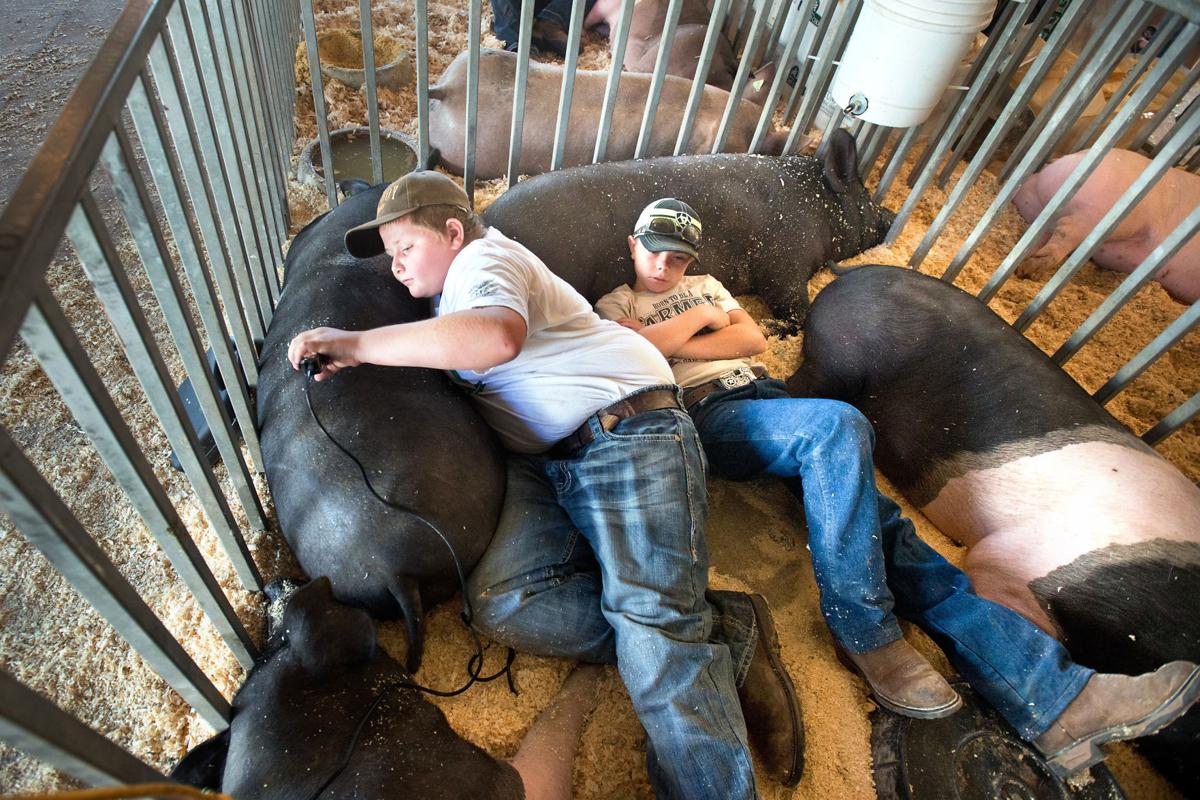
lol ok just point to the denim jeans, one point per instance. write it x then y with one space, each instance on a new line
506 17
868 559
602 557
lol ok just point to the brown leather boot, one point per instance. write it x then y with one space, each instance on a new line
769 703
1113 708
903 681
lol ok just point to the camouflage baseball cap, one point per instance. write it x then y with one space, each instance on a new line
404 196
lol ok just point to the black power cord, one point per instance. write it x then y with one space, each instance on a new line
311 367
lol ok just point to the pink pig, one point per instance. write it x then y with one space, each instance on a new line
1168 202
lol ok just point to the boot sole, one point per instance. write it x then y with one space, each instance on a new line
1086 752
766 628
937 712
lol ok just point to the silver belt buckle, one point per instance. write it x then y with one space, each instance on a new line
735 378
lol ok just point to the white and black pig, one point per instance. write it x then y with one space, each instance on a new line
1069 518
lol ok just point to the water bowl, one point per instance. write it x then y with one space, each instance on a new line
351 148
342 58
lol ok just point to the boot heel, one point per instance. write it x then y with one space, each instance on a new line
1078 756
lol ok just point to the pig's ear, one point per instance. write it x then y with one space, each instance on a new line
841 162
204 765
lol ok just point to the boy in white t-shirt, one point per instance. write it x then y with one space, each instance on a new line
866 557
599 554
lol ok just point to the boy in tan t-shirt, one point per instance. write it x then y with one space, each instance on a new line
867 558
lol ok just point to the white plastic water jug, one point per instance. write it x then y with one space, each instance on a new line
902 55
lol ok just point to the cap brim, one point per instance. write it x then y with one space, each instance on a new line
364 242
657 244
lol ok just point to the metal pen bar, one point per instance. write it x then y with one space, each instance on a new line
1145 271
766 119
739 79
1181 416
170 186
271 33
1125 204
1067 87
273 162
48 525
618 43
568 84
656 81
1074 102
834 122
54 344
1171 335
966 181
806 60
318 95
896 162
1144 60
983 71
474 25
421 12
165 68
1111 135
700 78
246 112
814 93
995 86
100 261
1058 40
244 162
367 31
876 137
735 35
216 137
117 158
1168 106
519 85
31 229
40 729
775 24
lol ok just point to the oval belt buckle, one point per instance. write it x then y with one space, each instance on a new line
735 378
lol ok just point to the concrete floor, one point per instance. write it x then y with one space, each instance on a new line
45 46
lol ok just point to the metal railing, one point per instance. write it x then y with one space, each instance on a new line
189 110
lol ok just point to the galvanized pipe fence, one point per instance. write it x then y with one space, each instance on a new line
189 109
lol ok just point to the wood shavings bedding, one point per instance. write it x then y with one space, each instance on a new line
53 641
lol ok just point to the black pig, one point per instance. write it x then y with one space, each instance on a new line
769 222
419 438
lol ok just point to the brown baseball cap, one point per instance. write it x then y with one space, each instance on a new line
404 196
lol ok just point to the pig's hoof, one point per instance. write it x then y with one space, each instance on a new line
971 755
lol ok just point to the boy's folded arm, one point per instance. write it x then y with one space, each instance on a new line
741 338
474 339
671 334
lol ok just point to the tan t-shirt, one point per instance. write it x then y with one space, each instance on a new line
651 307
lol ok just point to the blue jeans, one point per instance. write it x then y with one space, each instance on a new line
868 559
602 557
506 17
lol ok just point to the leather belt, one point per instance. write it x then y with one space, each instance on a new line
734 378
610 415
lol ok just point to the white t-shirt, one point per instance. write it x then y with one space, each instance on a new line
649 308
572 363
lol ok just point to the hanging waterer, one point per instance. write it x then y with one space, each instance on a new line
901 57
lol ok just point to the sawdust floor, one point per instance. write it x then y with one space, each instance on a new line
53 641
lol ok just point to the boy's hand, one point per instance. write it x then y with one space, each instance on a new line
338 347
630 322
716 318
